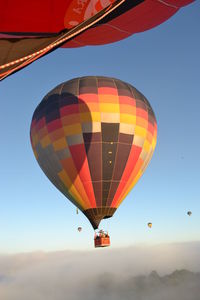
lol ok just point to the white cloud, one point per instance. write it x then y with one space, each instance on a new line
101 274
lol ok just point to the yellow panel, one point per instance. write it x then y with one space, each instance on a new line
147 160
140 131
45 141
35 139
110 117
146 146
143 154
132 180
127 191
137 177
154 143
67 182
138 141
109 107
90 117
127 128
60 144
87 126
72 129
35 153
96 127
127 119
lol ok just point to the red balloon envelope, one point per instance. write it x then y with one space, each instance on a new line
31 29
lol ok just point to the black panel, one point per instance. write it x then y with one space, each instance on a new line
109 132
113 189
123 152
108 159
91 137
126 138
123 8
106 82
97 186
53 115
68 99
95 165
151 119
106 188
88 85
123 88
135 93
70 87
141 104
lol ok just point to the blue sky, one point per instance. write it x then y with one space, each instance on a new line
164 64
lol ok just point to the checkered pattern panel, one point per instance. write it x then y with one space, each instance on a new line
93 137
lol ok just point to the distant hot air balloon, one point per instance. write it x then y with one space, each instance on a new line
93 137
189 213
149 225
79 229
31 29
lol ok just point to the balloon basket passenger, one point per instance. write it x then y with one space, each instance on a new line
101 239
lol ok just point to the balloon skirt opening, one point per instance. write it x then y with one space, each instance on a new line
95 215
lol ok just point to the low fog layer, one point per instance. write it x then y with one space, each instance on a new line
162 272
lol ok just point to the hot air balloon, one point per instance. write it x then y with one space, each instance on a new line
79 229
29 30
149 225
93 137
189 213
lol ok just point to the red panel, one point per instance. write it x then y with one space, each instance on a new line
144 16
132 160
127 100
57 134
80 160
107 91
32 15
48 16
151 128
54 125
33 123
91 98
179 3
142 113
40 124
69 109
42 133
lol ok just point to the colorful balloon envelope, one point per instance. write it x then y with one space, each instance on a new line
31 29
93 137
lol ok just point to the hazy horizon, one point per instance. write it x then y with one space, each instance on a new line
123 273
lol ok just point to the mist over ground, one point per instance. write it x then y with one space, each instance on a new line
160 272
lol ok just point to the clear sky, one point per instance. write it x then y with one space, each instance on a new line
164 64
